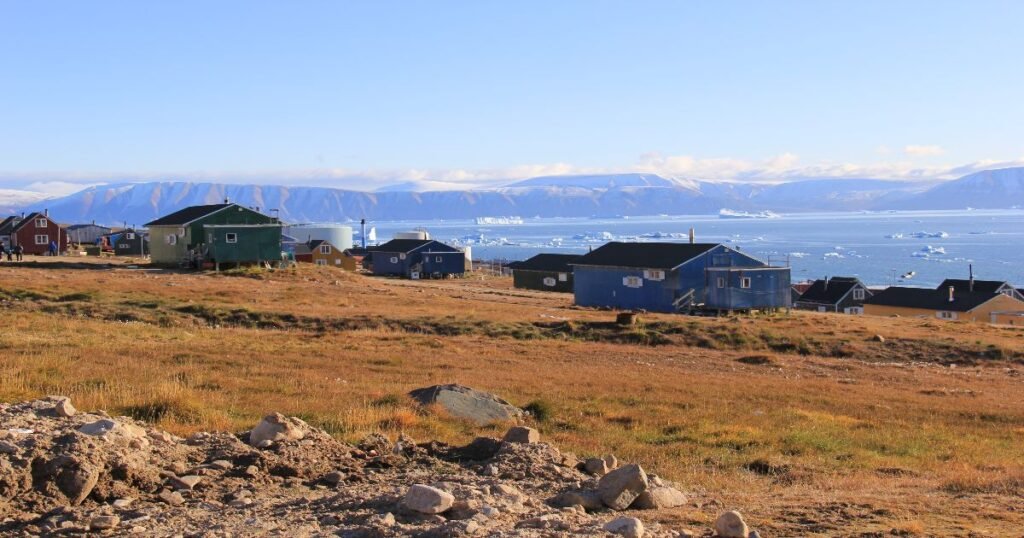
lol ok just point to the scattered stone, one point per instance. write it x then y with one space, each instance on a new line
731 525
596 466
102 523
619 488
588 499
172 498
754 534
223 465
611 461
463 402
428 500
630 527
334 477
879 338
74 478
522 434
187 482
658 497
252 471
64 408
276 427
122 504
98 428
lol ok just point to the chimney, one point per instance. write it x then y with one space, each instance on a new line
826 283
226 200
46 212
362 234
692 235
970 286
952 292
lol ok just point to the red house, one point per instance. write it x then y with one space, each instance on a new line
35 233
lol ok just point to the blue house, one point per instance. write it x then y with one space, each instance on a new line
417 258
673 277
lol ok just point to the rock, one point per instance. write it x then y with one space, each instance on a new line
101 523
619 488
879 338
75 479
172 498
754 534
588 499
276 427
334 477
522 434
98 428
481 448
464 402
382 520
223 465
731 525
630 527
595 466
611 461
64 408
187 482
490 470
252 471
122 504
428 500
658 497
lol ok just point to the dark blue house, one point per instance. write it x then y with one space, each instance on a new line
417 258
674 277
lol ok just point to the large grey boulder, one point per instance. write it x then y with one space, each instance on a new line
428 500
619 488
731 525
463 402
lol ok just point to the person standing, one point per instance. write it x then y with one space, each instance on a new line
53 248
19 252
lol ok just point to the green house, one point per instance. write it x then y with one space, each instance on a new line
218 233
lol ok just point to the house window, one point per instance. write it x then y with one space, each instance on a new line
41 223
321 262
172 239
401 256
720 259
548 281
721 282
946 315
633 282
563 277
654 274
858 294
129 236
394 259
231 238
438 259
42 240
745 282
337 261
325 249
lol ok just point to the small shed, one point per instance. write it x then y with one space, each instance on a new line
130 242
87 234
546 272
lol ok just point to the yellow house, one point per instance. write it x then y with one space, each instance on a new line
950 304
320 252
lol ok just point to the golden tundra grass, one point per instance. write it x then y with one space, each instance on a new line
830 434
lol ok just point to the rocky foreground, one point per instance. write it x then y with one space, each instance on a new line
63 472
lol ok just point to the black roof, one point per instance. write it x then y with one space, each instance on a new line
829 291
979 285
556 263
644 255
929 299
8 224
187 215
409 245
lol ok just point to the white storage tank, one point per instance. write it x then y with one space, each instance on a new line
338 235
422 235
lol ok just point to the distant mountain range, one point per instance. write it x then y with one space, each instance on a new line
555 196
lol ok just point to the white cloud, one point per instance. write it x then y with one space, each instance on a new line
915 150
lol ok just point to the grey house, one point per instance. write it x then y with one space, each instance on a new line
836 294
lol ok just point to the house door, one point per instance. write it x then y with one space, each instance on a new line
854 310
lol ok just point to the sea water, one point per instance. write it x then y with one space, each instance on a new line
878 247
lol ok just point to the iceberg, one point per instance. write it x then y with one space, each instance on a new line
499 220
730 214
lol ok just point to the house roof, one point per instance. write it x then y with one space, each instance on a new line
81 226
644 255
404 245
8 224
28 218
556 263
829 291
929 299
187 215
979 285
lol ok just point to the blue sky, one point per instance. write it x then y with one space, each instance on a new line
468 92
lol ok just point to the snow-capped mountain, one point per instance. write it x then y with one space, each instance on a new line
554 196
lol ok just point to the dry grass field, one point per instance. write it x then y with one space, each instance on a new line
807 423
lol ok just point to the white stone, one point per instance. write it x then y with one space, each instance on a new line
731 525
276 427
630 527
428 500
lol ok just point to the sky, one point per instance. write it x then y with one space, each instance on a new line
353 94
